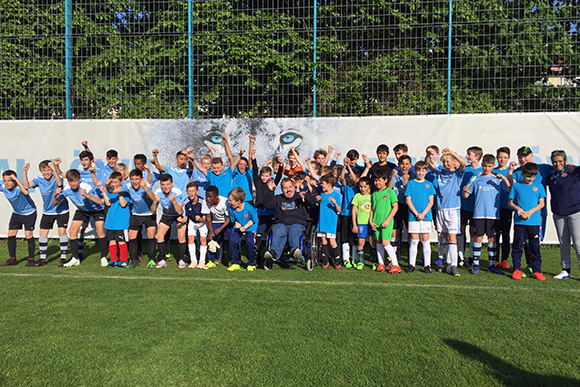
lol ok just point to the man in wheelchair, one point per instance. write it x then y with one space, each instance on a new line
290 220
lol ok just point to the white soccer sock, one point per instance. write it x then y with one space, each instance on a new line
471 242
392 254
394 243
42 246
202 253
426 253
345 252
452 254
461 246
413 251
380 253
192 253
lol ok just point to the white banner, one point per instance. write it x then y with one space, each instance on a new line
34 141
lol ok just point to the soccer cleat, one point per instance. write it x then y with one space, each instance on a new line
410 269
121 264
517 274
209 265
563 274
528 272
73 262
104 262
338 267
454 272
31 262
348 265
427 269
234 267
388 266
251 268
495 270
325 266
200 265
181 264
167 257
41 262
151 264
539 276
62 262
444 269
360 266
439 262
10 262
504 265
193 265
133 265
375 266
270 255
381 267
161 264
395 270
112 264
475 270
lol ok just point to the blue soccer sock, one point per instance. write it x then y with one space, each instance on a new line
476 253
492 253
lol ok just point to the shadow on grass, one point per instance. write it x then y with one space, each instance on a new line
508 374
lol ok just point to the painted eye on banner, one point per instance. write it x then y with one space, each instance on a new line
290 138
214 137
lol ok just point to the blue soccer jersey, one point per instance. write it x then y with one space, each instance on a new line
118 216
21 204
526 196
244 181
420 192
486 191
244 216
82 203
448 187
191 210
47 189
202 182
544 172
104 170
181 177
140 201
166 204
223 181
87 176
469 203
328 218
348 193
399 186
504 195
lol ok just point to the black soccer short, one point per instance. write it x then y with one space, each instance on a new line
137 221
47 221
18 221
401 217
489 227
466 217
117 236
85 216
168 220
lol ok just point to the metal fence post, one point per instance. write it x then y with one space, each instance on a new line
314 59
449 47
68 56
190 55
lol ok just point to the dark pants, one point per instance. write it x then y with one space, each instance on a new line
503 236
236 247
532 235
219 238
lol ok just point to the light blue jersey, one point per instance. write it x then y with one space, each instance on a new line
420 192
486 191
166 204
82 203
202 182
328 218
244 216
448 188
399 186
243 181
526 196
87 176
348 193
223 181
47 189
469 203
181 177
117 216
504 195
104 170
21 204
140 201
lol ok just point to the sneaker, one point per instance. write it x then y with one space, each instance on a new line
133 265
104 262
161 264
504 265
439 262
151 264
495 270
375 266
395 270
209 265
181 264
167 257
348 265
410 269
234 267
359 266
528 272
251 268
444 269
563 274
539 276
517 274
200 265
31 262
112 264
338 267
381 267
475 270
325 266
62 262
427 269
121 264
10 262
41 262
270 255
73 262
297 255
193 265
454 272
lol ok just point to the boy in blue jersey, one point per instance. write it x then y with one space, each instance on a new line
448 200
420 196
140 162
472 169
181 174
505 212
169 198
89 174
486 189
398 183
89 205
197 215
143 214
348 188
24 215
245 219
327 222
527 199
432 157
104 169
197 176
47 182
117 219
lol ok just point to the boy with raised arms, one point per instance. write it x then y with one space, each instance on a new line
168 197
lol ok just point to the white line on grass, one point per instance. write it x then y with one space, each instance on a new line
300 282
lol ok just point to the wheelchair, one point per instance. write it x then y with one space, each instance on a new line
309 246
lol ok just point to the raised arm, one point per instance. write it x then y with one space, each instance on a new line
457 157
156 162
20 185
25 181
298 158
55 166
328 155
94 199
106 198
197 164
228 150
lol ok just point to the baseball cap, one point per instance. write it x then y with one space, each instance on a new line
524 151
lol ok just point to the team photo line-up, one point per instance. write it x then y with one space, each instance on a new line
345 206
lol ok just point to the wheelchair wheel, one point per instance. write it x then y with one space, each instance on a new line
312 258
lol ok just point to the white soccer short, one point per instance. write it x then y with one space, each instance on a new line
326 235
194 226
420 227
448 221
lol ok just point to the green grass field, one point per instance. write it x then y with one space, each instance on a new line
94 326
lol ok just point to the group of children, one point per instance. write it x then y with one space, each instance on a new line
348 203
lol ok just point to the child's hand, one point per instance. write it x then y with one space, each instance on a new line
365 157
189 149
93 170
280 160
385 224
307 160
143 183
346 160
330 149
395 172
57 191
420 216
252 138
445 151
521 212
373 225
155 152
26 167
253 151
332 200
513 165
210 148
103 189
369 164
406 178
466 188
238 225
210 235
242 150
302 194
499 176
318 197
198 218
85 144
57 161
146 167
84 193
171 197
526 215
225 137
337 155
108 181
182 219
355 229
